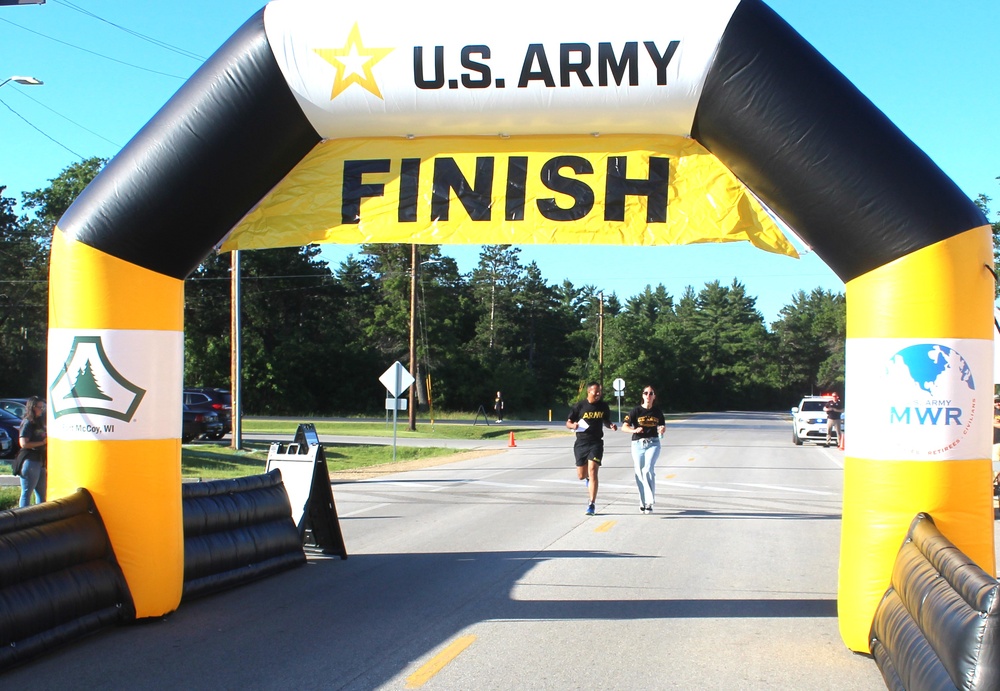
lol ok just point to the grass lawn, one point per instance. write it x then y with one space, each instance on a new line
439 430
211 462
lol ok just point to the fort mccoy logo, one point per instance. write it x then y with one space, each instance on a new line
89 384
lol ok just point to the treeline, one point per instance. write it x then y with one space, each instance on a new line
315 338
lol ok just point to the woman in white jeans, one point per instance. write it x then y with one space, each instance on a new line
647 425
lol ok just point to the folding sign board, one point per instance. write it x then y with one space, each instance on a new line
307 481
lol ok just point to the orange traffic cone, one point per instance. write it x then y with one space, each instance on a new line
840 441
511 442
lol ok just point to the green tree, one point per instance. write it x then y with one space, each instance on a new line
983 202
24 253
295 353
635 346
811 336
731 343
494 282
47 205
23 303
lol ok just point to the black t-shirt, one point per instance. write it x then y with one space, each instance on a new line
34 431
646 419
832 410
595 414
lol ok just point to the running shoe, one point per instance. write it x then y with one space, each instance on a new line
590 510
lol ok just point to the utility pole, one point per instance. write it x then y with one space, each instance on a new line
413 336
600 339
235 361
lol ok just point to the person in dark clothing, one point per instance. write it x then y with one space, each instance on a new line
588 418
34 441
498 407
647 425
834 410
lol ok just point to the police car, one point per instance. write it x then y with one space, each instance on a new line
809 420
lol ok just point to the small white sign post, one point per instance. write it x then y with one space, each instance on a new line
396 380
619 386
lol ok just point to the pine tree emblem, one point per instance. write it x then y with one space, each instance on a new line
86 386
89 384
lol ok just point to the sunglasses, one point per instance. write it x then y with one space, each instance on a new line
648 393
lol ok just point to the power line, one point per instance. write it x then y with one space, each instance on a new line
144 37
87 50
40 131
52 110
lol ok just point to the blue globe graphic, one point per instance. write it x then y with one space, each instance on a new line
935 368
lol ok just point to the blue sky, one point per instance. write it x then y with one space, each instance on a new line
931 67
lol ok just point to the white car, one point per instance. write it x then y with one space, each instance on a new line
809 420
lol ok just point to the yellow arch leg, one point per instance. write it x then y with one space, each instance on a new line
924 448
115 377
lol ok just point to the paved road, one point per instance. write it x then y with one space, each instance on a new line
489 569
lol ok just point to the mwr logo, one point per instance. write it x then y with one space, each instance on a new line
89 384
930 400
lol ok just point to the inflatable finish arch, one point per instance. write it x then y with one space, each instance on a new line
243 145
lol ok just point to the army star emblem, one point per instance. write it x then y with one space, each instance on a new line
354 64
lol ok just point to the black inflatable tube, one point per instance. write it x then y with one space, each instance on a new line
208 156
236 531
938 625
58 577
819 153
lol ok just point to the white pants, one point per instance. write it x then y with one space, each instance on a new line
644 455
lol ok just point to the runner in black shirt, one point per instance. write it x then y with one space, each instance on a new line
647 425
588 418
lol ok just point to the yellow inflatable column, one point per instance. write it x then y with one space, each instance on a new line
115 363
919 410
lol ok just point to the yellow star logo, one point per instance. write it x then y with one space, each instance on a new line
354 64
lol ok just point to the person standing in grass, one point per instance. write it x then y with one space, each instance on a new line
588 418
647 425
34 442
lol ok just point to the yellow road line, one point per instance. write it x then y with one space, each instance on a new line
438 662
604 527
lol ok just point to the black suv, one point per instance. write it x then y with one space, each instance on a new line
212 399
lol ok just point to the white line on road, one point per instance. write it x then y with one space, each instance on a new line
499 484
579 483
711 488
364 510
784 488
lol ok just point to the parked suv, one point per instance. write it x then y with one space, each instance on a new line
6 444
14 405
212 399
809 420
12 424
198 424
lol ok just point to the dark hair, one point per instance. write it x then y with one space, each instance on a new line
593 383
29 407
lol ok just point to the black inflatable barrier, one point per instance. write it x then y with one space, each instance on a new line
937 625
236 531
59 579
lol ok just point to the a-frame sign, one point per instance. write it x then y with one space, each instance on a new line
307 481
